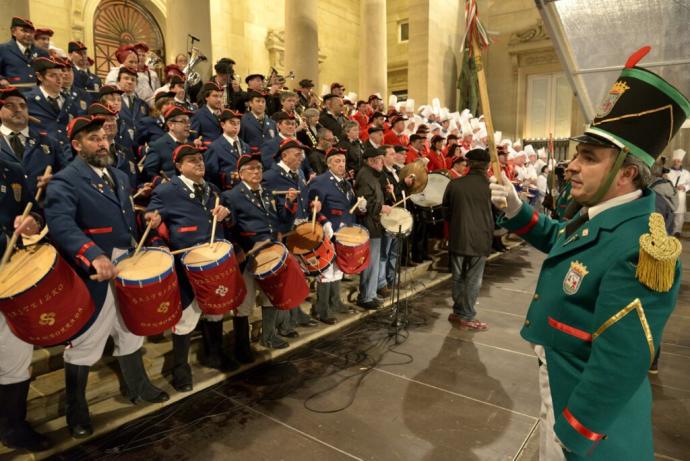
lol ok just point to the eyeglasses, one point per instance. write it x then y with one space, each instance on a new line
252 168
184 122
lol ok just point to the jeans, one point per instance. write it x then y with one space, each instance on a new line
389 260
369 278
467 281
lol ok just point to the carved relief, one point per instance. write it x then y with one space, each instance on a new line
545 57
275 45
534 33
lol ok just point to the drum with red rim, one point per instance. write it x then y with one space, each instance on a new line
280 277
215 277
147 291
312 250
44 301
352 249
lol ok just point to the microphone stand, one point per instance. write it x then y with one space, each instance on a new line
400 309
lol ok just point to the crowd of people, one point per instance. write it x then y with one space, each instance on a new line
178 165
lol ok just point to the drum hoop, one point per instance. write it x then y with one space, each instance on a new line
350 245
52 268
210 265
144 282
277 267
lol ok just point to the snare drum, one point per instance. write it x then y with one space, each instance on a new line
430 199
44 301
280 277
352 249
215 277
147 291
398 221
313 252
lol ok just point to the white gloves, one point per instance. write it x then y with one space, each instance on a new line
328 230
505 197
362 205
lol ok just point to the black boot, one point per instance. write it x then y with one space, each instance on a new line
138 386
76 408
243 351
17 433
182 372
214 356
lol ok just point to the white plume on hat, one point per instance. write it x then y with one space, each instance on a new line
392 100
529 150
475 124
679 154
482 133
541 153
466 127
426 111
409 105
436 104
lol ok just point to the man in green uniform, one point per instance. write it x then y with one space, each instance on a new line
610 280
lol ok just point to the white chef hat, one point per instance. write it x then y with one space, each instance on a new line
529 150
678 154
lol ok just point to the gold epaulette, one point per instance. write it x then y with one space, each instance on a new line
658 255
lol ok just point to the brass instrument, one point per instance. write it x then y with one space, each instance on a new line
153 61
274 78
195 57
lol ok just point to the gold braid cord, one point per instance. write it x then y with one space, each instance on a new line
636 305
659 252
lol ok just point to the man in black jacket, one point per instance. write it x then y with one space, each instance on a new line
367 185
352 145
471 225
329 117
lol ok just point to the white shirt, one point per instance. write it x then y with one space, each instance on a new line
542 184
174 138
232 140
612 202
101 172
260 189
393 172
21 47
285 167
189 183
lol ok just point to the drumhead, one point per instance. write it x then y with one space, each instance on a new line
148 264
399 219
26 268
270 258
432 195
352 235
205 254
302 240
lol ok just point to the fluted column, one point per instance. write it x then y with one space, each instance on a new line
373 51
302 39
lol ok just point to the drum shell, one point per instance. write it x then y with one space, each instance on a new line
53 311
218 287
316 260
286 286
352 259
152 306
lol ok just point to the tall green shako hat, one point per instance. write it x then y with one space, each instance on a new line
640 115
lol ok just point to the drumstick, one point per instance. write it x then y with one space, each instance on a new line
392 191
404 199
359 199
138 193
183 250
143 237
259 247
15 235
313 214
283 192
215 220
49 169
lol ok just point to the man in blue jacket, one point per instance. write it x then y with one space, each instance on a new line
205 121
256 218
186 207
89 211
28 146
257 127
16 54
159 154
225 151
15 360
83 77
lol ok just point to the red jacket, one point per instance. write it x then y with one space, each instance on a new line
363 122
437 161
395 139
412 155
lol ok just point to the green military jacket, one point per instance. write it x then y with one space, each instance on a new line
600 327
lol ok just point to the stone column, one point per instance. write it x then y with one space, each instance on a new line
194 18
302 40
11 8
373 50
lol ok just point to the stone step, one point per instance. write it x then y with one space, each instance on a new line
110 409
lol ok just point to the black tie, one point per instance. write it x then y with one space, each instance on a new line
17 146
294 176
237 148
199 192
27 53
341 185
54 103
106 179
575 224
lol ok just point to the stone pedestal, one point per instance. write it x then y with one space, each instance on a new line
302 40
373 54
